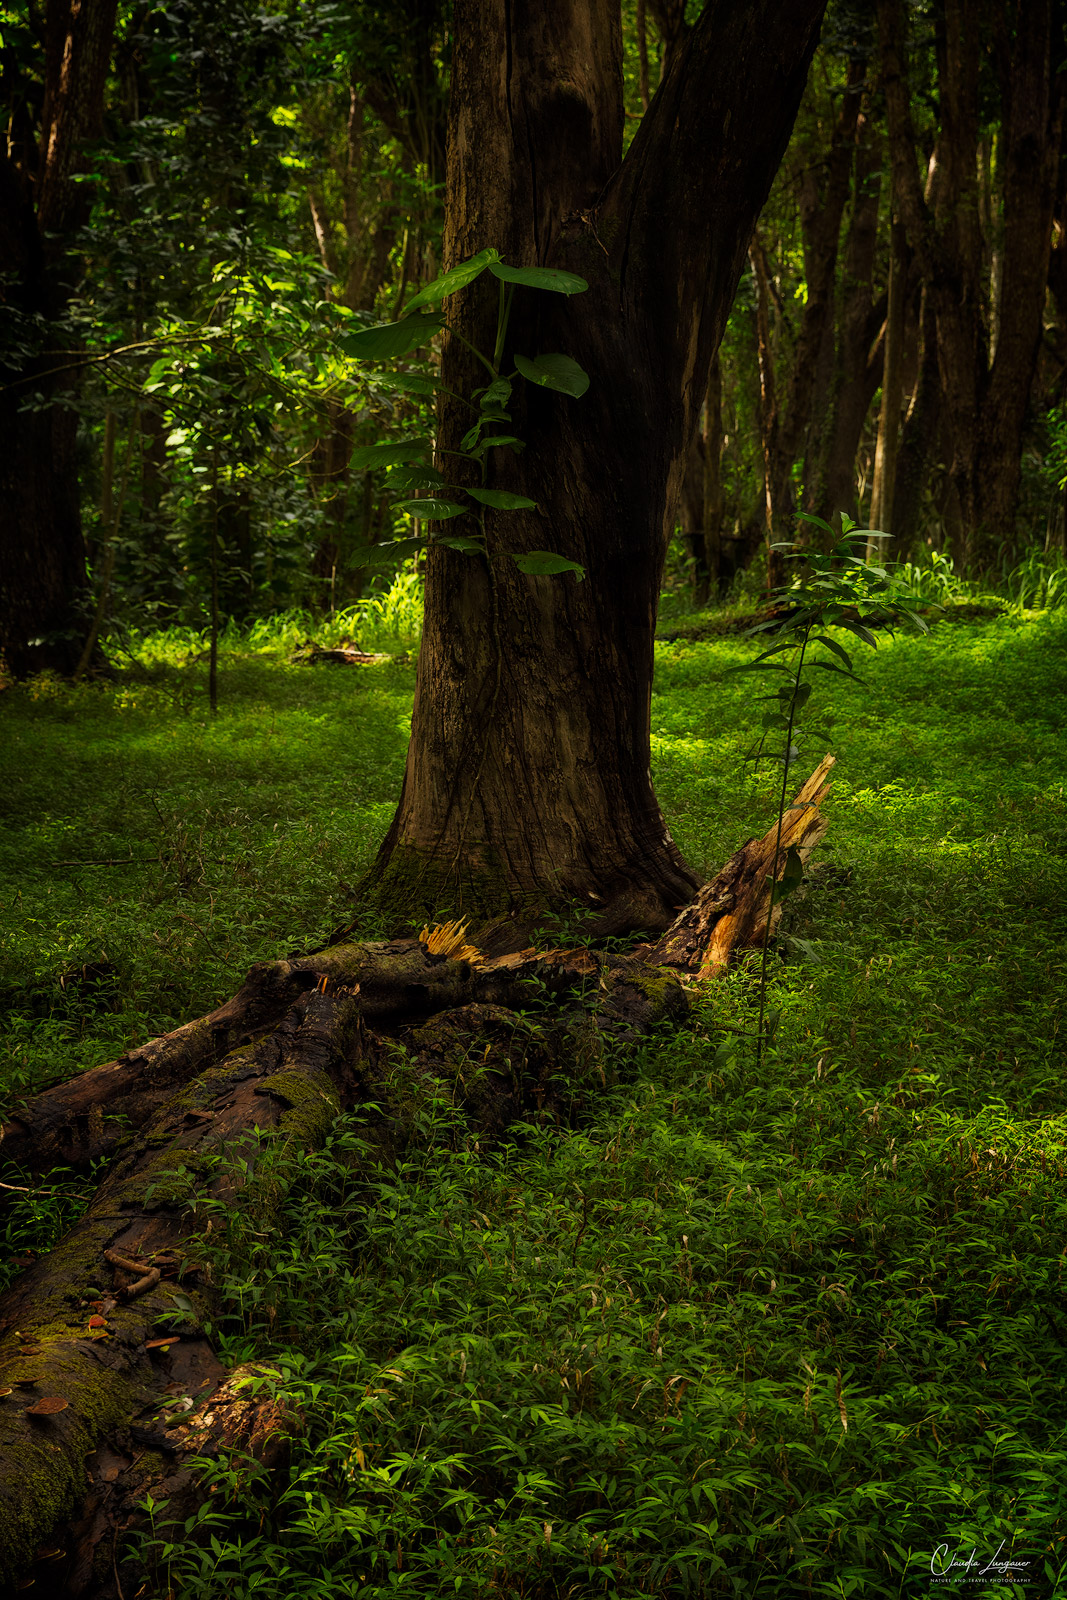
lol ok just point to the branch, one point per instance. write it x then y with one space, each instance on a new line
680 211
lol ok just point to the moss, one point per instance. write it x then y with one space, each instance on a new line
43 1471
312 1104
660 987
412 887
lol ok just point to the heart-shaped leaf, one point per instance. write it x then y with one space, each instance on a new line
554 372
545 563
369 456
503 499
431 509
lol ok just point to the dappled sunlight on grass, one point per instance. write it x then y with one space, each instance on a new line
753 1331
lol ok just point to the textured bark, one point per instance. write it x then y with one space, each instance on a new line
703 504
528 772
43 583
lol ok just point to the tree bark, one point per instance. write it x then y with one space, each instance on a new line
528 779
703 506
918 438
44 599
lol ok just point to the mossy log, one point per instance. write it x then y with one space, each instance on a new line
93 1324
107 1329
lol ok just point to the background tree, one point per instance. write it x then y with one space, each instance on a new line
54 73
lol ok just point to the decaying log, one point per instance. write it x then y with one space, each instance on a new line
91 1324
108 1386
730 912
73 1122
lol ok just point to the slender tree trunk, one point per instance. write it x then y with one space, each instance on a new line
777 499
918 438
885 458
858 360
44 603
528 777
985 403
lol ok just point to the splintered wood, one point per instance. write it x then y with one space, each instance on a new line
730 912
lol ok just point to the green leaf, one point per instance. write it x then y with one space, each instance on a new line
806 516
389 339
759 666
831 666
495 395
554 372
838 650
458 278
792 875
370 456
409 383
380 555
456 541
497 442
431 509
539 278
544 563
503 499
859 630
408 479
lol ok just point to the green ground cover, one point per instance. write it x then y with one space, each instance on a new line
771 1332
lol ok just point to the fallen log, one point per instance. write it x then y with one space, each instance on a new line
101 1340
84 1327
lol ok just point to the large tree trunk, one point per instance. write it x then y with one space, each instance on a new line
528 772
44 611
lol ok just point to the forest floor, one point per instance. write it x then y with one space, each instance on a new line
799 1329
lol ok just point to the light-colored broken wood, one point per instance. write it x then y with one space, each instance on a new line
730 912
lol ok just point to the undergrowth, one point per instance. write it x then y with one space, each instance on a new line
772 1332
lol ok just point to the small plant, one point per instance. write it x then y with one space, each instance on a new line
1039 583
840 589
935 581
432 499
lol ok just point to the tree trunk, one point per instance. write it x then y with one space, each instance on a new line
528 780
44 603
917 440
858 359
985 403
885 458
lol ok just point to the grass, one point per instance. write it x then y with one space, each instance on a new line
768 1333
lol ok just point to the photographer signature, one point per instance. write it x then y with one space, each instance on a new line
944 1560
